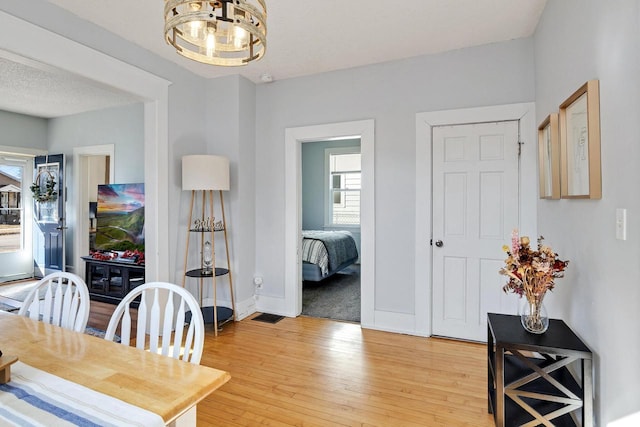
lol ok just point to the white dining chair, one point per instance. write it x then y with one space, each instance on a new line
161 320
66 301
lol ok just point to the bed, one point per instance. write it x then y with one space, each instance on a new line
324 253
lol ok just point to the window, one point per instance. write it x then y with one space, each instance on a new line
344 187
11 206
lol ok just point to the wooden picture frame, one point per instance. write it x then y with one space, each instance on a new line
549 157
580 144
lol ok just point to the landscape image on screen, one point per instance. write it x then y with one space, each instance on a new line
120 217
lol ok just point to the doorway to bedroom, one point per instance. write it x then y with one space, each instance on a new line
330 198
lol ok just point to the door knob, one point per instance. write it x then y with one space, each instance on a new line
439 243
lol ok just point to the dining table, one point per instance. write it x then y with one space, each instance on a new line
76 373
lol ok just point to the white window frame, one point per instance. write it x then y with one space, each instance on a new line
328 197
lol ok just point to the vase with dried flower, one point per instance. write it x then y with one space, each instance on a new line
531 274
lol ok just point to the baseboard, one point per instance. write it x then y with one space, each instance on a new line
244 308
273 305
388 321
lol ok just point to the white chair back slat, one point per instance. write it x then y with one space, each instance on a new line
45 311
167 325
142 321
65 305
154 322
125 328
33 309
69 310
179 328
164 320
187 356
73 307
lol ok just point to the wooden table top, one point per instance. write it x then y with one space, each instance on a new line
162 385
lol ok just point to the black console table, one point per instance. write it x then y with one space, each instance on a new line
532 371
109 281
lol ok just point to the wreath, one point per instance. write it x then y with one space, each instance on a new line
49 194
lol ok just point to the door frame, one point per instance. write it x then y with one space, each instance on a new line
294 138
80 200
525 114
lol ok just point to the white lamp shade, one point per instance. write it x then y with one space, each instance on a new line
204 172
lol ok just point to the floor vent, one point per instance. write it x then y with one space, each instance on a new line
268 318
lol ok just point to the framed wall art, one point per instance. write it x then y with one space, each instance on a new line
580 144
549 157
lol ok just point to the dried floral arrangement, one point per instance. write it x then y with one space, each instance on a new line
531 273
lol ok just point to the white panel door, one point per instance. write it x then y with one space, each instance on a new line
475 208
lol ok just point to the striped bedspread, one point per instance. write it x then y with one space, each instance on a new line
37 398
315 252
328 249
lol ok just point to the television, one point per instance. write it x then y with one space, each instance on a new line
120 217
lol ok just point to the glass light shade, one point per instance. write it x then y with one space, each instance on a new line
239 30
205 172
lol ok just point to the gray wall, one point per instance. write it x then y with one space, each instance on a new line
313 184
19 130
576 41
121 126
391 94
231 133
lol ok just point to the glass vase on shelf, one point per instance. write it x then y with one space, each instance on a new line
207 258
533 315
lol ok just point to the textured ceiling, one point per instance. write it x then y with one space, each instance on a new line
307 37
28 87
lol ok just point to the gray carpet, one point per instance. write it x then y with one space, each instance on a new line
337 297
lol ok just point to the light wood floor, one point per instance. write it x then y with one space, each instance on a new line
317 372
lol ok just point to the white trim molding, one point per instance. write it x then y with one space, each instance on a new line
525 114
294 138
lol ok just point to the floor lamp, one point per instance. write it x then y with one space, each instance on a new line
207 173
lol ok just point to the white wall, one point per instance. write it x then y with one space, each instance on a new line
576 41
391 94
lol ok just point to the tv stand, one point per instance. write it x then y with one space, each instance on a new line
109 281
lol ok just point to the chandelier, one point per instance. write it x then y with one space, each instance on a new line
221 32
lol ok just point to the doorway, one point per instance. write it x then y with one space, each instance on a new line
331 185
16 211
95 166
294 138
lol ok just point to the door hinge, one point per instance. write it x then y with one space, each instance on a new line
520 144
431 242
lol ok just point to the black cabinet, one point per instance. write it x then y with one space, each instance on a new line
529 376
110 281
